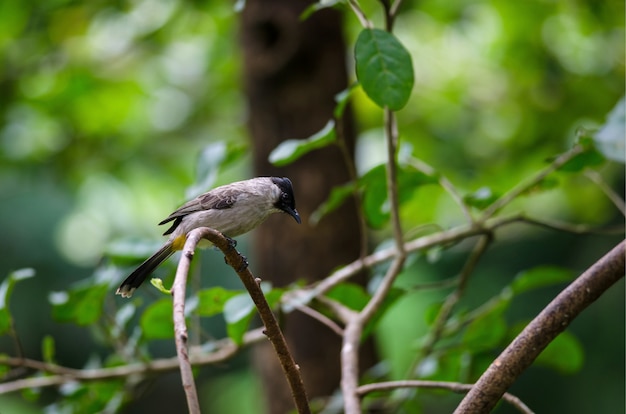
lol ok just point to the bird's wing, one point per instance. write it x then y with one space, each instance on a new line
212 200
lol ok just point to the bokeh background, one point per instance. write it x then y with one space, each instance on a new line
108 108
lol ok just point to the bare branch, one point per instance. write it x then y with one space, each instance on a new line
612 195
455 387
325 320
553 320
180 328
225 349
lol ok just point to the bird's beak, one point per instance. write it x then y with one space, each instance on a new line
293 213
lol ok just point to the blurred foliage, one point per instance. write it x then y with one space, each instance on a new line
111 114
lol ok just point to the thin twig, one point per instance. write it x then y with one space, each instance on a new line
455 387
612 195
354 177
455 296
180 328
320 317
531 182
354 5
224 349
553 320
272 329
391 137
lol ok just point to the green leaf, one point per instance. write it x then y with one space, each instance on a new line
374 185
290 150
212 301
540 277
564 354
350 295
157 320
82 306
610 139
392 297
237 329
384 68
6 289
48 349
481 198
342 99
336 198
485 332
588 158
238 312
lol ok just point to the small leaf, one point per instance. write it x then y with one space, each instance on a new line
336 198
481 198
290 150
48 349
342 99
212 301
540 277
588 158
610 139
564 354
350 295
384 68
157 320
6 289
485 332
236 330
374 185
82 306
238 307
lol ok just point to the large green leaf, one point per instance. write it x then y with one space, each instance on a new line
157 321
384 68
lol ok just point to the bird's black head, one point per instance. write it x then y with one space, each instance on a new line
286 201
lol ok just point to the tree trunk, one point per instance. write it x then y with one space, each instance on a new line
292 71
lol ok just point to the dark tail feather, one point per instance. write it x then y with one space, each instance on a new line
140 274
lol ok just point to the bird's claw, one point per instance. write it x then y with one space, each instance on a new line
231 242
243 265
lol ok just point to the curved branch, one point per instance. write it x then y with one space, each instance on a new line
553 320
455 387
272 329
180 327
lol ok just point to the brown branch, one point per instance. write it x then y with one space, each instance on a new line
225 348
272 329
553 320
180 328
455 387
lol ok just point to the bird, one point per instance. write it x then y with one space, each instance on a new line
232 209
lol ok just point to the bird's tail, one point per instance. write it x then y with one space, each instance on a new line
135 279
